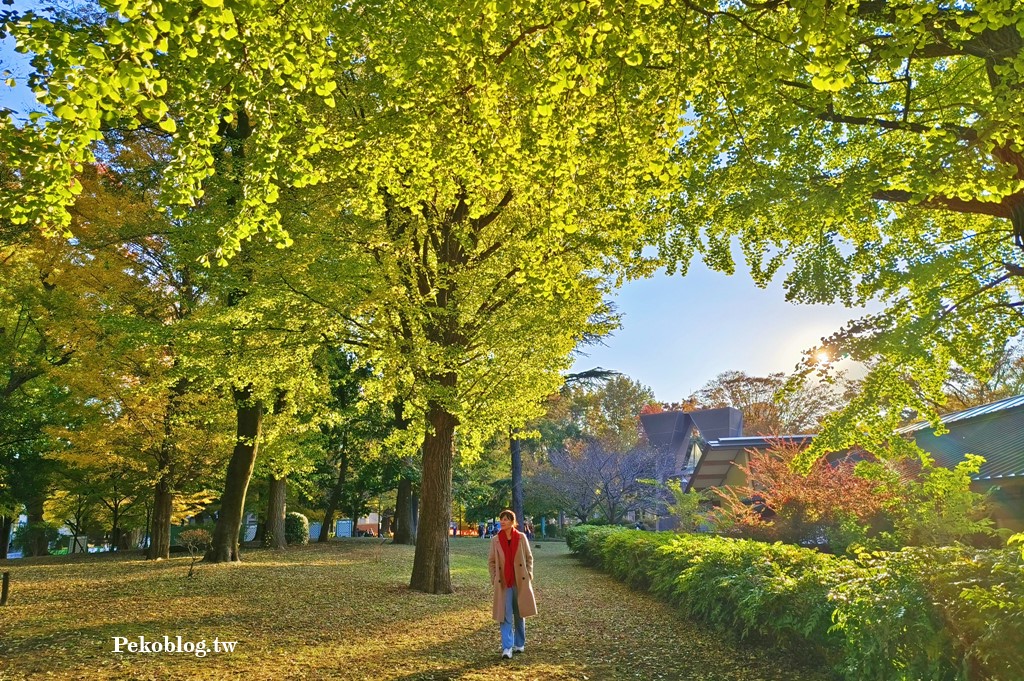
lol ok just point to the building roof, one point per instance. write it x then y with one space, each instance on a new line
720 454
665 430
967 414
672 432
997 435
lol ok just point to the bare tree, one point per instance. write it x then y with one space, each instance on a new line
1005 378
587 476
769 405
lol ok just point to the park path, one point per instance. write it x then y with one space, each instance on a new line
343 611
604 629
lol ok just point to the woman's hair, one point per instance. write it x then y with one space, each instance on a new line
510 514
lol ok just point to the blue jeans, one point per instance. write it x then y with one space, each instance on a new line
512 623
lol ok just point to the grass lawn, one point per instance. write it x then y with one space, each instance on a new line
343 611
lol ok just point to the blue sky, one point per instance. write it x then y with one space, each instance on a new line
680 332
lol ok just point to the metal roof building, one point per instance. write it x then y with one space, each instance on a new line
709 444
994 431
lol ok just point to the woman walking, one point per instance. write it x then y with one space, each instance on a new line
511 566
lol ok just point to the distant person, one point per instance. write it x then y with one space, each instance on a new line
510 563
528 529
480 529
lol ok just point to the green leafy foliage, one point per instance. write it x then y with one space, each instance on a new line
935 613
687 507
840 505
40 531
866 152
296 528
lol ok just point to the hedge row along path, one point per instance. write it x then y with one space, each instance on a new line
343 611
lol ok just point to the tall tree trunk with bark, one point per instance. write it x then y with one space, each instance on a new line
414 504
430 568
249 414
275 512
6 522
115 526
334 499
353 512
163 506
163 491
516 447
404 523
37 545
405 532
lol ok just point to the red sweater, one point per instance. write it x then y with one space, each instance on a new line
509 548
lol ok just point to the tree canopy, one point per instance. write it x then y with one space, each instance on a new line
871 151
463 181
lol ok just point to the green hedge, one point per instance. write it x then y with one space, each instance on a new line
922 613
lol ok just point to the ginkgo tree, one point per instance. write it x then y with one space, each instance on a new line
870 151
463 155
487 163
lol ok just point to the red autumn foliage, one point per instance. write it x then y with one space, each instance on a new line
781 504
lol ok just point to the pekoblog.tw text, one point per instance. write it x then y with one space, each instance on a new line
200 648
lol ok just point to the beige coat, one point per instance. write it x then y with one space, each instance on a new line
523 568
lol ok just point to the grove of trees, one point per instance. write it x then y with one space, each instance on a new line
223 209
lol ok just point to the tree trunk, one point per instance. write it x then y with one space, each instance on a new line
354 513
163 506
129 540
36 544
115 529
430 568
414 502
276 512
516 446
404 525
5 534
249 415
334 500
148 539
163 494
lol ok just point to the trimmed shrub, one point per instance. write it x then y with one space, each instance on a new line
921 613
934 613
587 541
296 528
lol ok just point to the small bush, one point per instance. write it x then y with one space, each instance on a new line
196 541
296 528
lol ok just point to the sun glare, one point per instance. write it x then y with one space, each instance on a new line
822 357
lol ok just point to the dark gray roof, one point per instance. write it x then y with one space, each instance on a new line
665 430
671 431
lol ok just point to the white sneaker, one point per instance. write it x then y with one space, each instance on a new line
507 652
519 649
